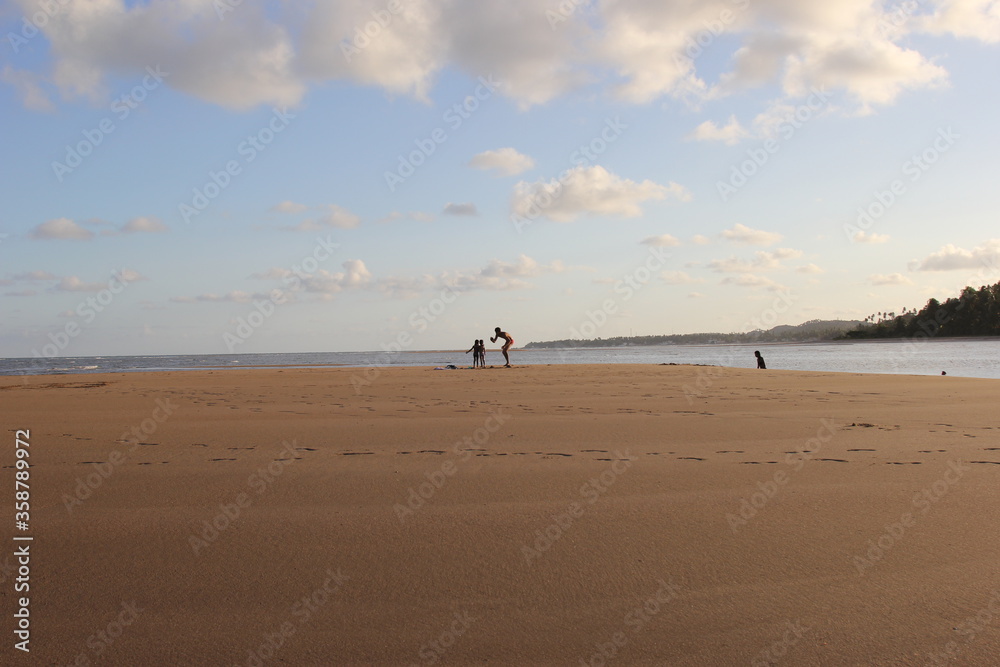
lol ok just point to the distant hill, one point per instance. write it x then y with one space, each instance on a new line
813 330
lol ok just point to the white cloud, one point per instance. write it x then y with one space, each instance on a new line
864 237
506 161
337 217
466 209
60 228
589 190
953 258
731 133
744 235
289 207
661 241
762 261
143 224
979 19
751 280
27 85
809 269
74 284
640 50
678 278
890 279
699 239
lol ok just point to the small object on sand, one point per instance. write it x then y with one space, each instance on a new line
943 373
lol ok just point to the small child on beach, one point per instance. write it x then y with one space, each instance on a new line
475 353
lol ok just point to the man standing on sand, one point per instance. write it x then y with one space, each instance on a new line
506 346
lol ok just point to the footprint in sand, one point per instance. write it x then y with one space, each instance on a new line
690 458
730 451
904 463
556 454
992 449
834 460
222 459
355 453
436 451
996 463
861 450
595 451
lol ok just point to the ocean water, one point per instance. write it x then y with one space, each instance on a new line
964 358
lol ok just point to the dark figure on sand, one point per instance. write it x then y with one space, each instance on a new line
482 353
760 359
506 346
475 353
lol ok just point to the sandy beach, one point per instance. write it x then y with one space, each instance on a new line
544 515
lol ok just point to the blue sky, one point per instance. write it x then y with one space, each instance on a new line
606 168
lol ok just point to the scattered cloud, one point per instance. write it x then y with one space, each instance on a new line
808 269
745 236
763 260
953 258
334 216
699 239
590 191
62 229
862 236
289 207
661 241
505 161
466 209
751 280
730 134
878 279
28 87
678 278
143 224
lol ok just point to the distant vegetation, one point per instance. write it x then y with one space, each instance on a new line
972 313
813 330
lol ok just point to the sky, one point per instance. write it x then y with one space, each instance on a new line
225 176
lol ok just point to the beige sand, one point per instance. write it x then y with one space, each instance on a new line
564 515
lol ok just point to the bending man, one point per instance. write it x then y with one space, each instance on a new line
509 340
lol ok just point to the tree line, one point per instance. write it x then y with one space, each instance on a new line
972 313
